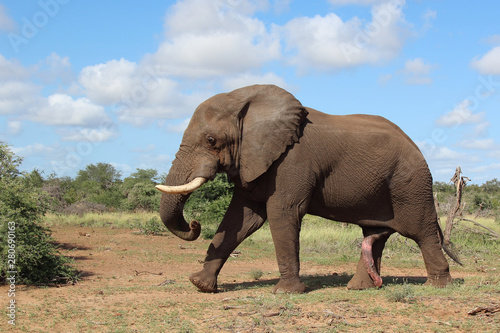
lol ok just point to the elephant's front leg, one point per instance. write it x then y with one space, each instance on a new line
285 229
242 218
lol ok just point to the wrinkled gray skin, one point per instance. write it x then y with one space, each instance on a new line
287 160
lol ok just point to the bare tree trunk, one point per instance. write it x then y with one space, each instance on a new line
460 183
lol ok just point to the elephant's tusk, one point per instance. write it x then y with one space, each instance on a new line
183 189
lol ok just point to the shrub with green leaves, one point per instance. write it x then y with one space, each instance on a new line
143 196
152 226
209 203
25 246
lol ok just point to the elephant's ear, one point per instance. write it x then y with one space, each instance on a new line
271 121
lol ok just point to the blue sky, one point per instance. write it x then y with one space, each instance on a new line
116 81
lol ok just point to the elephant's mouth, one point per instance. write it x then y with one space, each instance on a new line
183 189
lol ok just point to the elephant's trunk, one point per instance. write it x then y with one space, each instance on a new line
171 210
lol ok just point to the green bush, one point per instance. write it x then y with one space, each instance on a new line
209 203
152 226
143 196
25 246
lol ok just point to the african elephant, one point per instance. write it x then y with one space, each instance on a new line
287 160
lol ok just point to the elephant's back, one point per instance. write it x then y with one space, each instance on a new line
360 126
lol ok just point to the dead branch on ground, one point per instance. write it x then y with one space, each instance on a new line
490 232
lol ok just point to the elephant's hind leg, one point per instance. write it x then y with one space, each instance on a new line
368 271
438 271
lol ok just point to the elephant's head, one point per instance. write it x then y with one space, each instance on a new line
242 133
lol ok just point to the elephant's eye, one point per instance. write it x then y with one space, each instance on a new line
211 141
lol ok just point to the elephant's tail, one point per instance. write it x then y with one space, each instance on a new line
450 253
446 249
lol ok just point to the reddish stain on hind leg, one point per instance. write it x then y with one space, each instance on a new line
367 255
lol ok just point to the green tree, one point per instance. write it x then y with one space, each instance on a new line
9 162
143 196
209 203
442 187
100 183
491 186
139 190
103 174
150 175
25 246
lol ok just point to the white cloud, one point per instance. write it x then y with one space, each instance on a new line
141 92
416 71
428 16
489 63
55 68
141 149
17 93
212 38
14 127
35 149
482 129
417 67
200 16
495 154
281 6
486 169
443 160
440 153
159 162
384 79
63 110
6 23
492 40
89 135
418 80
13 70
180 127
18 97
165 101
481 144
327 42
460 115
249 79
109 83
125 169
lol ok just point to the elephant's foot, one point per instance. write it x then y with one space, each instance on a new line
357 283
439 281
204 282
292 286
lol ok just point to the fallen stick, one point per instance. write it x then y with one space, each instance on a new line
484 310
137 273
494 234
271 314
